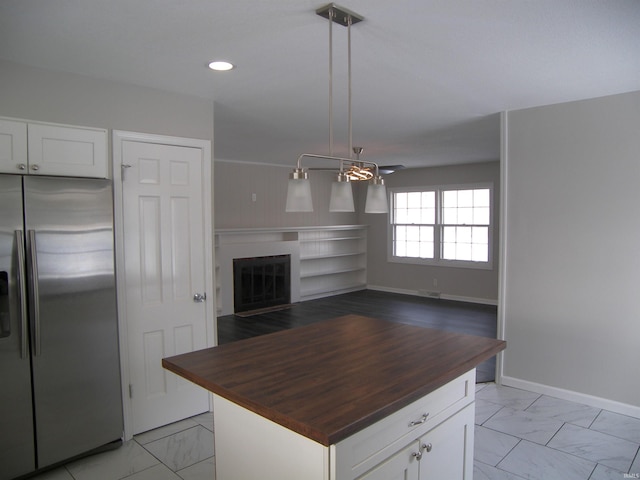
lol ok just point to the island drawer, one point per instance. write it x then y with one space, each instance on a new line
357 453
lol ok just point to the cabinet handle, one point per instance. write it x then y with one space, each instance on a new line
21 166
22 300
417 455
35 168
423 419
35 305
426 446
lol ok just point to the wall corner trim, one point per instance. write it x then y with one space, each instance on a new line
442 296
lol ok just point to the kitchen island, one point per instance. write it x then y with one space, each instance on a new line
352 397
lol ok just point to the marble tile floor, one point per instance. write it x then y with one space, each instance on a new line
518 435
178 451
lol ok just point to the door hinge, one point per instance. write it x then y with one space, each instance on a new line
130 391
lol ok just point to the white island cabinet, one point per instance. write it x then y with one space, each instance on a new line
342 399
405 445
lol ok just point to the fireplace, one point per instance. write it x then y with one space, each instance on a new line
261 282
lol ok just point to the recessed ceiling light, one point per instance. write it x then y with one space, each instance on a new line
220 66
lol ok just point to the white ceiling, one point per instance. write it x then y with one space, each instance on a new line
429 76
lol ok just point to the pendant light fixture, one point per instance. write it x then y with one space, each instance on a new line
299 187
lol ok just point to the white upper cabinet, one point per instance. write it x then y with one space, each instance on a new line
49 149
13 146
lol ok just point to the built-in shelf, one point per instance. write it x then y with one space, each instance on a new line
326 260
332 261
329 272
333 255
330 239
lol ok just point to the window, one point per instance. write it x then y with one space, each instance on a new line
442 225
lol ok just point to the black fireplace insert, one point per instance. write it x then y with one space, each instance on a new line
261 282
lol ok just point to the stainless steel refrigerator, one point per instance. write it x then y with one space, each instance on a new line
60 392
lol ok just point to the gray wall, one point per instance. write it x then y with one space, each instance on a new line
572 253
459 283
48 96
236 182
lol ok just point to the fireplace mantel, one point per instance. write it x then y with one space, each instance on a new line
325 260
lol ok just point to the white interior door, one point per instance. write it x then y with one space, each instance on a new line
163 213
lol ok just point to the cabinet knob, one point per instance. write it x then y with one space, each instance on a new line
35 168
427 446
21 166
417 455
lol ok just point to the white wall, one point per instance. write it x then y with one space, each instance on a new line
50 96
571 281
236 182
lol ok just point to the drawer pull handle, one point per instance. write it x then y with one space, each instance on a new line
423 419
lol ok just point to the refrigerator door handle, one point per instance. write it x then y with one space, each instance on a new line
35 302
22 294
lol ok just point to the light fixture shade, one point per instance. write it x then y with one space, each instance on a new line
376 199
341 197
299 195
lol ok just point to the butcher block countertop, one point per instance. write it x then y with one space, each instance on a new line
330 379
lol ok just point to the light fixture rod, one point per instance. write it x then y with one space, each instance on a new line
330 157
349 21
331 16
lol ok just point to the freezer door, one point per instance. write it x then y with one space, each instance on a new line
76 372
17 454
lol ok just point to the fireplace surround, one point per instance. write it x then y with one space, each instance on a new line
325 260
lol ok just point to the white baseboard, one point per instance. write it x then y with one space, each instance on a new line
592 401
443 296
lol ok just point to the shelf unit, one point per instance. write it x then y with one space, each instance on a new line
332 260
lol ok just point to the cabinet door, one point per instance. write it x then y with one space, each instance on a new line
67 151
13 146
447 450
403 465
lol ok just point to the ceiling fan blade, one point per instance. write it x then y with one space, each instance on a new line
388 169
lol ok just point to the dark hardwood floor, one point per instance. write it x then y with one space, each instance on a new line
461 317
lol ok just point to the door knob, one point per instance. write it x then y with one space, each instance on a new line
199 297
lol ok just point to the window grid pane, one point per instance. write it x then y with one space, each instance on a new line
466 207
413 241
465 243
414 215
